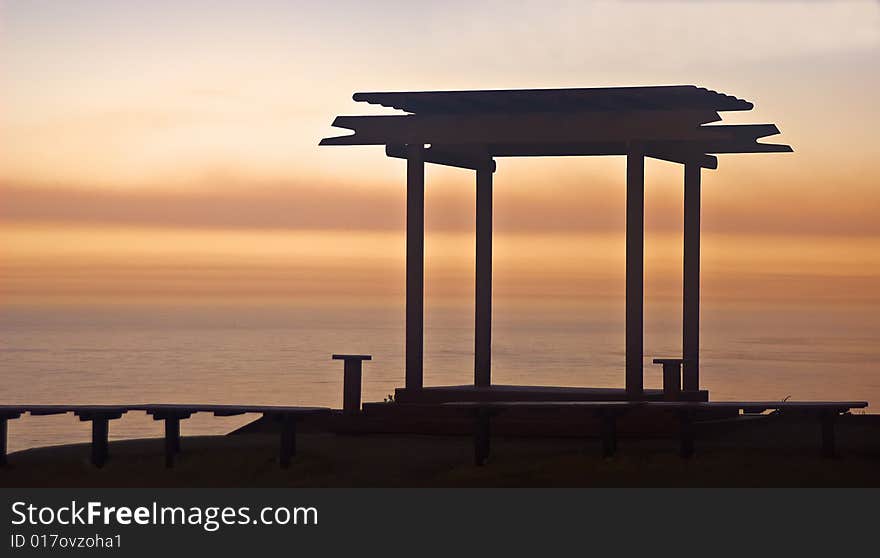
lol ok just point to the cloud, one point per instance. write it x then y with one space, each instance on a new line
559 206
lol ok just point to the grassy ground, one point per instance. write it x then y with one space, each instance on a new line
329 460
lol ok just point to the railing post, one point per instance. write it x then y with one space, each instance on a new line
172 439
100 417
351 382
100 432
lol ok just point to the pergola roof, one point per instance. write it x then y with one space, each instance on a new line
468 128
659 97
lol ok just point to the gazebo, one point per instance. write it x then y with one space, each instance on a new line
469 129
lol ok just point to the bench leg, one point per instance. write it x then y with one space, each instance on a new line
609 434
481 437
172 440
288 441
686 428
3 431
829 448
99 441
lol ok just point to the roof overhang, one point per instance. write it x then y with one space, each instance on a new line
468 128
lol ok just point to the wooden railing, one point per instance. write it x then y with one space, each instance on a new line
101 415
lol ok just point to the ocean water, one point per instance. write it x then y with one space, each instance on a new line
280 354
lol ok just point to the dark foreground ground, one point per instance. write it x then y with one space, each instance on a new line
784 454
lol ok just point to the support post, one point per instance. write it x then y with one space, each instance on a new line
99 440
172 439
415 265
351 381
691 279
635 271
483 280
482 434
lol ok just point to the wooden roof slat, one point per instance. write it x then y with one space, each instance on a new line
544 134
564 100
669 122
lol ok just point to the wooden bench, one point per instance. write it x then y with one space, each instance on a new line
685 411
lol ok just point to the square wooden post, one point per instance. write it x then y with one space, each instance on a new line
635 271
415 265
691 279
483 280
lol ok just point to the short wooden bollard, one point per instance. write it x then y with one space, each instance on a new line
100 440
351 381
671 377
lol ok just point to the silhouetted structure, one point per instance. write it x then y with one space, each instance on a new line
687 414
351 381
469 129
101 415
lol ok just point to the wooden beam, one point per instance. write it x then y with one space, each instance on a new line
477 158
526 127
700 159
674 151
737 138
471 159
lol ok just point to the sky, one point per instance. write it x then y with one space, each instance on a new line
167 150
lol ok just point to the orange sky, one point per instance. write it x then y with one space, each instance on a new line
170 151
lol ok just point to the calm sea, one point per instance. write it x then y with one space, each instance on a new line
280 354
